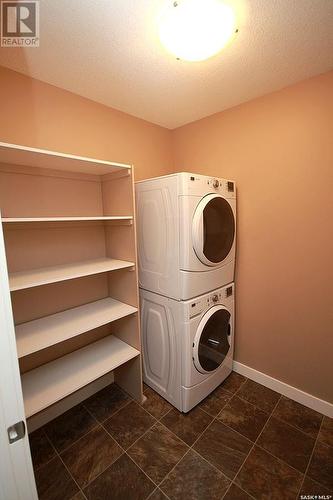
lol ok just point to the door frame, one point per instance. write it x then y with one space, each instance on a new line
17 480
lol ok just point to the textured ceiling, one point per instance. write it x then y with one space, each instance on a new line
109 51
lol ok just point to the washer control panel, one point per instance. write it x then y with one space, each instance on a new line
198 305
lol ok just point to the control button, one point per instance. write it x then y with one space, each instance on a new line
216 183
215 298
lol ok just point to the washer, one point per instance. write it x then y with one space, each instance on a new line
186 234
187 346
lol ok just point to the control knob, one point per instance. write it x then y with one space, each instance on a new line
216 183
215 298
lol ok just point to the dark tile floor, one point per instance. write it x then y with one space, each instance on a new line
243 441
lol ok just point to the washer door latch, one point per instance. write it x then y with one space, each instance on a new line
16 432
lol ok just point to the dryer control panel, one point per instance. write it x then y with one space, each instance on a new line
200 185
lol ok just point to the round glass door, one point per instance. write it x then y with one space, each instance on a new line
213 229
212 340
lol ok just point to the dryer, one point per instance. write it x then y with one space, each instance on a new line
186 227
187 346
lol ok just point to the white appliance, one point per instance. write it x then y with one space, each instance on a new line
186 234
187 346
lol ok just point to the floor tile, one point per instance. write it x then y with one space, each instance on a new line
123 480
265 477
194 479
287 443
305 419
54 482
69 427
91 455
155 404
326 431
187 426
235 493
224 448
157 452
243 417
321 465
79 496
233 382
158 495
214 403
312 488
259 395
107 401
128 424
41 449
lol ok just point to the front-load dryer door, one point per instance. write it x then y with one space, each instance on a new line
212 341
213 230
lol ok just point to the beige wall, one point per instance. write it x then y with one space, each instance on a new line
279 149
36 114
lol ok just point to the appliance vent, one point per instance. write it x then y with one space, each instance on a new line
228 291
231 186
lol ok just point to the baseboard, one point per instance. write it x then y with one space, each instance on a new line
287 390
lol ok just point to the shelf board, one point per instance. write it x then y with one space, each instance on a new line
50 330
43 276
67 219
15 154
53 381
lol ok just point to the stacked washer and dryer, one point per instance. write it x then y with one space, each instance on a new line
186 246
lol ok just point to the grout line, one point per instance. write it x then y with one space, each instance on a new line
237 486
168 474
88 432
307 468
159 490
69 472
255 442
191 448
79 439
124 452
114 413
137 465
272 414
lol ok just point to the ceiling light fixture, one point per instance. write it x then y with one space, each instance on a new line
195 30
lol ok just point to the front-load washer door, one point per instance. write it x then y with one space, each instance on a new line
212 340
213 230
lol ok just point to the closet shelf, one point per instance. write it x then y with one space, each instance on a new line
43 276
45 332
53 381
15 154
67 219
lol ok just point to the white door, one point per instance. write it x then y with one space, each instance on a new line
213 230
16 473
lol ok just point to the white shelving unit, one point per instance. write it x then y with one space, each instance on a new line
49 383
76 321
54 274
